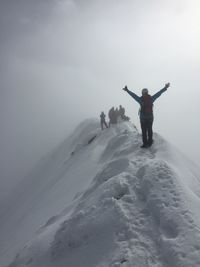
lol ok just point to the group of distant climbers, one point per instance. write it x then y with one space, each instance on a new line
146 113
115 115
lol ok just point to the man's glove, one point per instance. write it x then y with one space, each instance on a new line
125 88
167 85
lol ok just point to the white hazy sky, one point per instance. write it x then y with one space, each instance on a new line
66 60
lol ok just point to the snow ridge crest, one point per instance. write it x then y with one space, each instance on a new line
133 210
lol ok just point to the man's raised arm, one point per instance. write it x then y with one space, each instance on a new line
134 96
159 93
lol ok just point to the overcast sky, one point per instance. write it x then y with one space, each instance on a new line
66 60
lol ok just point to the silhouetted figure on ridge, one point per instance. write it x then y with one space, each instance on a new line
117 115
103 120
112 116
121 111
146 112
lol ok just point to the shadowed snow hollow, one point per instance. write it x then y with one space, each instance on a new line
101 201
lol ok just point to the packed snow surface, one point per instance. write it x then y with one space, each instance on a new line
99 200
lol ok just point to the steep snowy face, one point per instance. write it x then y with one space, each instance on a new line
132 207
50 187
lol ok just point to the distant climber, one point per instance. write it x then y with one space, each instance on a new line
103 120
122 114
121 111
146 112
112 116
117 115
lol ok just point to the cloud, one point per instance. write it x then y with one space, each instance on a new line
64 60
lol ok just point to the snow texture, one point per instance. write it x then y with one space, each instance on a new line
99 200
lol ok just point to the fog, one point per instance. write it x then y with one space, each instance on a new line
63 61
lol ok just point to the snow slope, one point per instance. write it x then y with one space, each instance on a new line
100 200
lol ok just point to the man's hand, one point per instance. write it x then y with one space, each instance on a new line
167 85
125 88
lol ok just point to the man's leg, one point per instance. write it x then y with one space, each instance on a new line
144 132
101 125
105 123
150 131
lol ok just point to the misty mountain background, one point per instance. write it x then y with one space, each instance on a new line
64 60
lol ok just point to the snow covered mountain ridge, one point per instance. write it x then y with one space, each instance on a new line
101 201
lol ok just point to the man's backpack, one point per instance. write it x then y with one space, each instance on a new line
146 105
